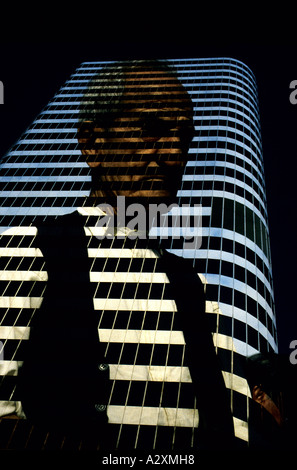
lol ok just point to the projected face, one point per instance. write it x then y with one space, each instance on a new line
143 152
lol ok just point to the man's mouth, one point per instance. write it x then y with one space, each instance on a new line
153 178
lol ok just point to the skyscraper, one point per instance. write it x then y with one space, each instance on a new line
45 175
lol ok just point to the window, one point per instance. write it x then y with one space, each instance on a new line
228 214
239 218
253 337
239 300
228 245
250 255
239 273
225 325
251 279
213 266
252 306
249 224
239 250
227 269
240 406
216 213
226 295
239 330
215 243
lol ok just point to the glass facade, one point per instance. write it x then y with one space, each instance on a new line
44 175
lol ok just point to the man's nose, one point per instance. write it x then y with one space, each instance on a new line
153 163
150 138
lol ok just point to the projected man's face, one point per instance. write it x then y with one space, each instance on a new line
142 154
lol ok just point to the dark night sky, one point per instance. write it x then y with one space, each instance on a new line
32 72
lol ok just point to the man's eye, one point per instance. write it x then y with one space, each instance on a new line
156 129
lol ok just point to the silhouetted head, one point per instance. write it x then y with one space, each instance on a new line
135 127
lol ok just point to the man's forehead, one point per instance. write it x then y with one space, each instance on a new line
152 82
140 113
146 73
135 121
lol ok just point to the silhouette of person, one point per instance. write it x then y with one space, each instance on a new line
135 127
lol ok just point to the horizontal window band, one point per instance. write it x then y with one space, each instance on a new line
137 278
36 165
171 374
220 280
189 78
228 64
14 333
162 337
241 429
204 179
142 253
148 336
122 253
53 194
222 164
33 142
20 252
234 345
231 103
152 416
127 353
49 131
127 253
237 260
149 373
118 277
141 336
42 179
225 92
211 142
168 136
127 277
202 130
92 252
181 229
230 311
132 277
23 275
204 109
18 230
36 211
248 130
223 151
127 372
42 153
153 305
21 302
41 120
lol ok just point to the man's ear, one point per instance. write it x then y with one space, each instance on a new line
86 136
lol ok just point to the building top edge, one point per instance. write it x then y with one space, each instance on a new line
172 60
